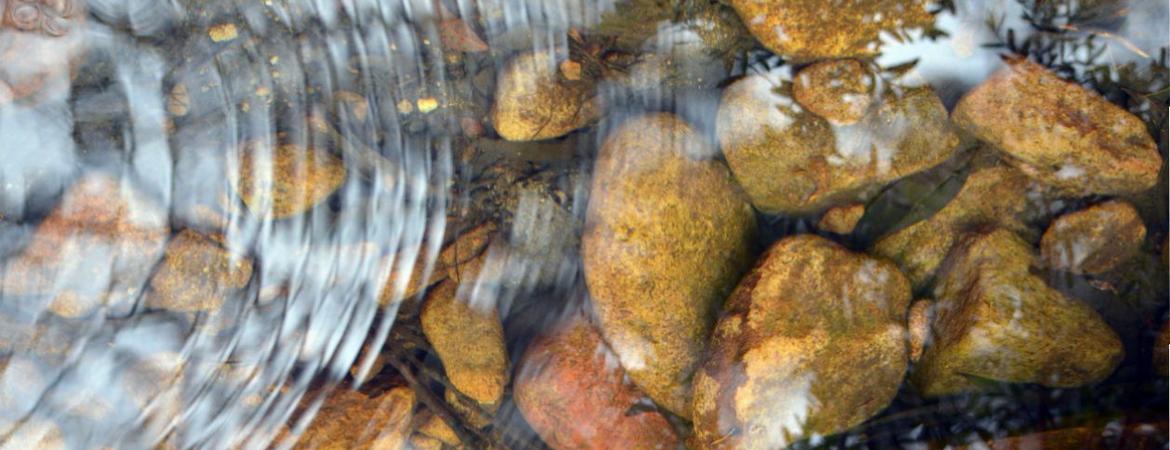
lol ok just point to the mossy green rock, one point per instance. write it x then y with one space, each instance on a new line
996 321
1061 133
667 236
804 30
792 161
991 195
812 342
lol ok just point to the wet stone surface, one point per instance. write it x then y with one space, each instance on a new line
811 324
1059 133
996 321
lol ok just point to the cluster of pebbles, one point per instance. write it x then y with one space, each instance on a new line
692 334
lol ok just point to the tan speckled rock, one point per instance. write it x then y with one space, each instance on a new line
1060 133
1094 240
791 161
842 219
920 248
839 91
350 420
667 235
918 325
433 426
286 180
804 30
812 342
468 245
532 103
572 392
197 274
996 321
97 247
469 339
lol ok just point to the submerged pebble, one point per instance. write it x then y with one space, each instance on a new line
996 321
811 343
792 161
574 394
1060 133
667 235
1094 240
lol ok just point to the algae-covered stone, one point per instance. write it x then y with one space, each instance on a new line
433 426
839 91
469 339
811 343
575 396
792 161
97 247
804 30
197 274
1061 133
996 321
350 420
992 195
533 103
667 235
1094 240
842 219
286 180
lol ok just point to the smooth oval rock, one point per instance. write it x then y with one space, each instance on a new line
533 103
197 274
811 343
792 161
667 235
469 340
996 321
805 30
919 249
1094 240
574 394
286 180
1060 133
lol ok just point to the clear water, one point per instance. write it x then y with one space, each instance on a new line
162 95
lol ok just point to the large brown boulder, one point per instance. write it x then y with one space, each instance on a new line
1060 133
667 235
812 342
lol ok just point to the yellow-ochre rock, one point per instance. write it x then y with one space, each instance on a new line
1060 133
996 321
992 195
532 103
1093 240
806 30
286 180
469 339
667 235
790 160
811 343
